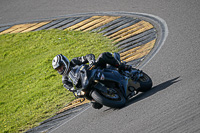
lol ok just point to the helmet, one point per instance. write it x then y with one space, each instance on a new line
61 64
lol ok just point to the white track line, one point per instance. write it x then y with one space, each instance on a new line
70 119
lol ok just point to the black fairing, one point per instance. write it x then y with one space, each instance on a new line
112 76
102 75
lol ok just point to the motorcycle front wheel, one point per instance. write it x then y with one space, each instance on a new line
145 83
113 100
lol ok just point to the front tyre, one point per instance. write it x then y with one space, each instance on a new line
145 83
114 100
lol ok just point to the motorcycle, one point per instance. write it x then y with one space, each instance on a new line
109 87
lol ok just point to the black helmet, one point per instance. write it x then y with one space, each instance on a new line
61 64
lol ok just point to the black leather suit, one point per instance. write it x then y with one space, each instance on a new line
74 74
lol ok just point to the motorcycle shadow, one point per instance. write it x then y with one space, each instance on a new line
149 93
154 90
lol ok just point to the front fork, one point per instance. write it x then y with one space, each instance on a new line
130 84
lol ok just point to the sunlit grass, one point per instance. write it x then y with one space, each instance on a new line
30 90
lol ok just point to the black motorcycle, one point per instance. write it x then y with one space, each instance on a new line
109 87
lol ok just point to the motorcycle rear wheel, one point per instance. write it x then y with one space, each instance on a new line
116 100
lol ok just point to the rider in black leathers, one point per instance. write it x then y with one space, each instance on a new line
70 74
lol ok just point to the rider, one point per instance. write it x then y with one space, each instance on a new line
68 68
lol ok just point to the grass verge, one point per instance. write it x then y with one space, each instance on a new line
30 90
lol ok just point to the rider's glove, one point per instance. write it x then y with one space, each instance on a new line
69 87
91 62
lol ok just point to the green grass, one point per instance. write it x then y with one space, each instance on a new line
30 89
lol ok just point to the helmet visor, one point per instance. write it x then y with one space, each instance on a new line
60 69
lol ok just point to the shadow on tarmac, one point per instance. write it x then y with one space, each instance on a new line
149 93
154 90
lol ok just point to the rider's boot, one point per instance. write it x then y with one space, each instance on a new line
125 67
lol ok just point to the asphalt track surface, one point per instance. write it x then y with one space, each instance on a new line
173 105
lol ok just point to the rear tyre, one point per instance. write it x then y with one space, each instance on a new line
145 83
114 100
